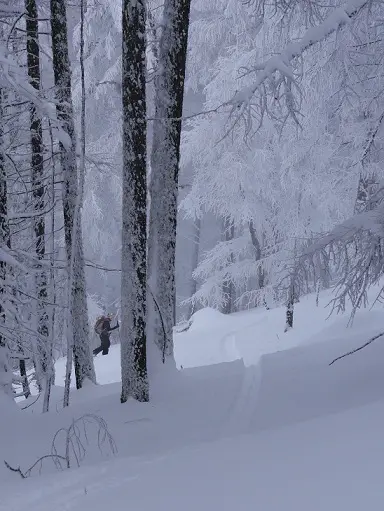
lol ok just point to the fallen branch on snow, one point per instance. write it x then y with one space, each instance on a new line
358 349
27 473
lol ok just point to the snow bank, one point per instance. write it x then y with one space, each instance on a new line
330 464
285 432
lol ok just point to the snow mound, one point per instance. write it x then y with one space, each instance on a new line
206 319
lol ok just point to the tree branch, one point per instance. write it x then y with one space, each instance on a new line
358 349
282 63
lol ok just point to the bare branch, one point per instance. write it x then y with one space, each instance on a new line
358 349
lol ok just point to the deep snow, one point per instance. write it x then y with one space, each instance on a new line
270 425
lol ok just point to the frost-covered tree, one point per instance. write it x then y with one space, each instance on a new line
102 192
134 213
289 181
24 109
355 122
78 329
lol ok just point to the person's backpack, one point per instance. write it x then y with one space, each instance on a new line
99 325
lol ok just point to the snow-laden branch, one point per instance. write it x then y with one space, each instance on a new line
12 76
32 214
282 63
6 257
368 221
354 249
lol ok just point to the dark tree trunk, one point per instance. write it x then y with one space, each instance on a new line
38 190
165 157
290 309
228 290
24 378
134 213
83 361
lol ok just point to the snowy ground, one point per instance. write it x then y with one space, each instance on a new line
270 426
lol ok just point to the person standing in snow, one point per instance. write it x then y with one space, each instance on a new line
103 329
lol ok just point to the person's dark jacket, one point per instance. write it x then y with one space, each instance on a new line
105 341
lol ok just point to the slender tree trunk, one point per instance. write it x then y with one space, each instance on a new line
195 262
79 338
38 192
258 255
5 370
134 212
23 371
165 157
290 309
228 290
52 284
24 378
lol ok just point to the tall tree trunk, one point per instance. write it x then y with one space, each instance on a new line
134 211
5 370
228 290
165 157
195 262
38 192
293 294
79 337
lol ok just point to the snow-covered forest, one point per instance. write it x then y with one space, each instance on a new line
188 183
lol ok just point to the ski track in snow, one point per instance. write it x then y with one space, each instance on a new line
270 413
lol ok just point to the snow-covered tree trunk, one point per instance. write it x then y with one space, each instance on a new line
38 192
5 370
165 157
82 354
134 210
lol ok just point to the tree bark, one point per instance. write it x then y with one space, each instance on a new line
290 310
134 209
165 157
79 337
228 290
38 192
5 370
